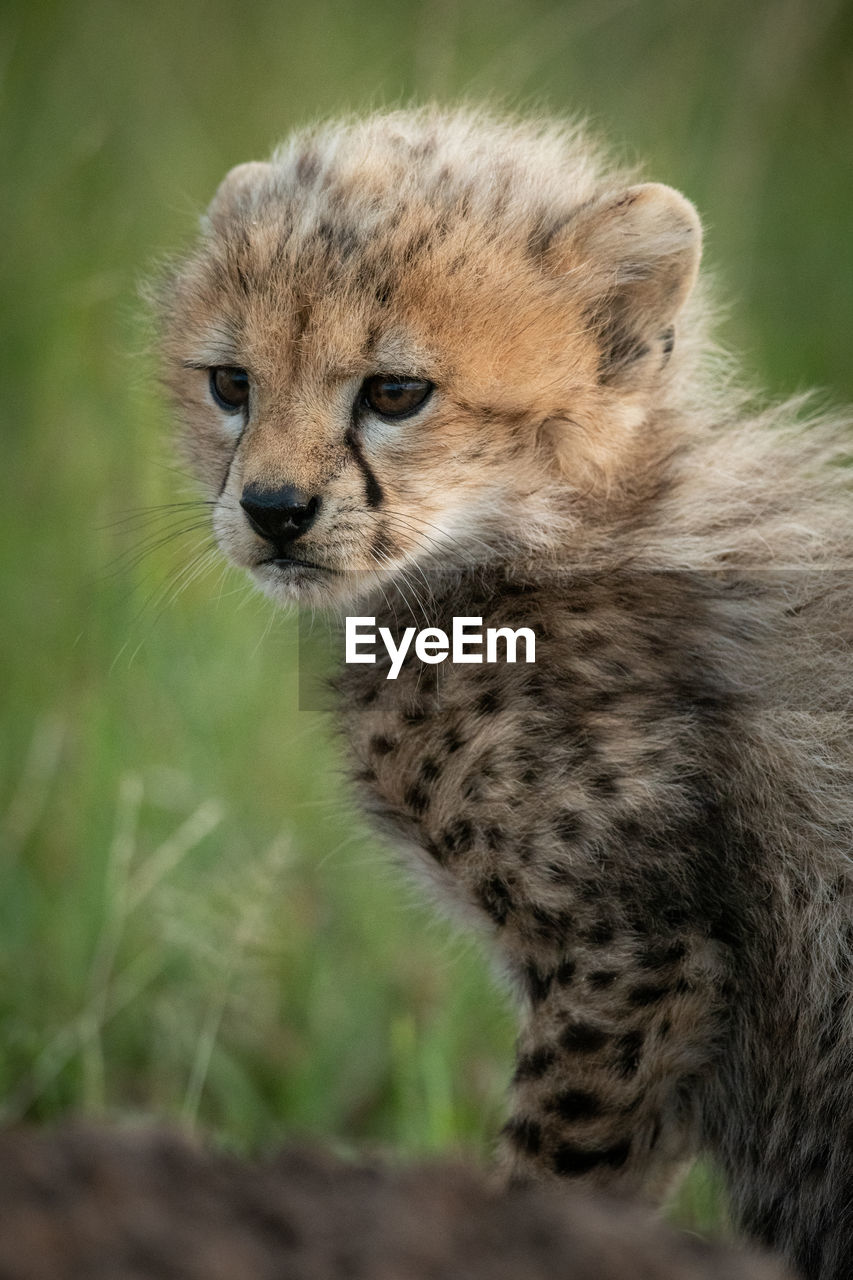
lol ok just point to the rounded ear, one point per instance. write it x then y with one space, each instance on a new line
237 193
636 256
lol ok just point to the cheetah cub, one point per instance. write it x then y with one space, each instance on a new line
436 366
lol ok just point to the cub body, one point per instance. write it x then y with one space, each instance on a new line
434 365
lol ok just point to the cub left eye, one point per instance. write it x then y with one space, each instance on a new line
229 387
395 397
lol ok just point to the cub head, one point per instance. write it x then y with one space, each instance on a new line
420 341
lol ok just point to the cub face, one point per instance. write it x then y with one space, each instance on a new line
423 340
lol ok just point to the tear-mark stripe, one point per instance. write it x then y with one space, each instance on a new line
372 488
227 475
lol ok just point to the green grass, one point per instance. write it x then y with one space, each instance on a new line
192 921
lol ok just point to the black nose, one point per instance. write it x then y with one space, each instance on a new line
281 515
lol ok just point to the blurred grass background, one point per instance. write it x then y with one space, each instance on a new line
192 920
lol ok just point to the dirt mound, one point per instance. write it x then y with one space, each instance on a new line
127 1205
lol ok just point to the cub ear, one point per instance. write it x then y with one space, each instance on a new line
636 256
237 193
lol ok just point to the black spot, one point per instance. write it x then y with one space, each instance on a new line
565 972
426 147
338 243
369 693
541 234
530 776
598 979
307 167
550 924
661 954
472 787
624 349
525 848
723 929
380 745
668 340
538 984
528 756
431 769
582 1037
604 699
590 641
647 993
536 683
574 1104
600 934
458 837
589 890
605 784
494 837
489 703
436 851
382 293
453 740
525 1134
416 798
418 242
534 1065
628 1049
568 825
571 1161
495 899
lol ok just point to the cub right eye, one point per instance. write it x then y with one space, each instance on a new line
229 387
395 397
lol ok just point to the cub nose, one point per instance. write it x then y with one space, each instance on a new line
280 515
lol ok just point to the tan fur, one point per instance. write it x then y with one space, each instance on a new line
655 824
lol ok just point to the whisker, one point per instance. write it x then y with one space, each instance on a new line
400 572
204 554
133 557
203 563
403 524
142 515
388 603
414 565
418 523
201 550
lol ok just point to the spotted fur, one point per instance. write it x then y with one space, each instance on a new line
654 821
